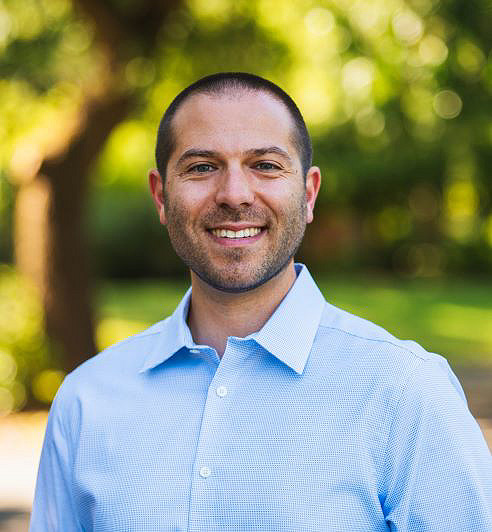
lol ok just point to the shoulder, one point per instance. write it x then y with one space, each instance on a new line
117 362
371 352
397 380
359 330
351 331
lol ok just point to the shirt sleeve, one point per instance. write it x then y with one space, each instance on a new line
53 509
438 466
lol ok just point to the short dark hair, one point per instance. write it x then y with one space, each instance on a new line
222 83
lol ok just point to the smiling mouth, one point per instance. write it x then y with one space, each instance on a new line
242 233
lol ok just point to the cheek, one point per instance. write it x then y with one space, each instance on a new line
185 203
194 196
275 192
288 201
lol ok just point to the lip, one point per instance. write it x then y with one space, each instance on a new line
236 242
237 227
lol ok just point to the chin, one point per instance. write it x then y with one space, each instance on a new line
237 282
230 285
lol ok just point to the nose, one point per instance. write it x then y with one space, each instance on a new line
234 188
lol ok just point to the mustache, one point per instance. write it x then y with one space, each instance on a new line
224 214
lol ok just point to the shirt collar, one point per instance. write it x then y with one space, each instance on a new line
288 334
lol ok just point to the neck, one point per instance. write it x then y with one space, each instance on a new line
215 315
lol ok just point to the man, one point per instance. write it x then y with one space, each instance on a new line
256 405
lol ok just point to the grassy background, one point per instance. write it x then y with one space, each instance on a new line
452 317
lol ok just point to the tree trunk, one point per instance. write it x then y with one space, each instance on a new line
49 212
50 243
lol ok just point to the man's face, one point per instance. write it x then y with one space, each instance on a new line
235 203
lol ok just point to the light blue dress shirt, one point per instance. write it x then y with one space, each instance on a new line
321 421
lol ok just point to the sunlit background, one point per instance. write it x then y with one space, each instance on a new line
397 96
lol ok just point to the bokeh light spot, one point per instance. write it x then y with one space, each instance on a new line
407 26
447 104
432 50
319 21
139 72
56 8
112 330
370 122
393 222
8 367
461 199
370 17
470 57
77 38
357 76
5 26
126 156
6 401
46 384
213 10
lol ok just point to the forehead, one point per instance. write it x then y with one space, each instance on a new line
232 122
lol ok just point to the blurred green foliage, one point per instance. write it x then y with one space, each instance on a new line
451 317
27 368
397 96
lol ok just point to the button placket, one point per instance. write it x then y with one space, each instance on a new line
214 416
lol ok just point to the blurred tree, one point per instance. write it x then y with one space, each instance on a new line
396 94
53 181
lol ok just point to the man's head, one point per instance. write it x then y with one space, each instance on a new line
229 83
235 197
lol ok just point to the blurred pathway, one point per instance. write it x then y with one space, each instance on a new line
14 521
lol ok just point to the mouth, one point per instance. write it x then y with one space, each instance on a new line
234 237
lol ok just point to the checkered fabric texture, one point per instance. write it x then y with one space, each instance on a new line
319 422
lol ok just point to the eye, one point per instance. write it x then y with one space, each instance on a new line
266 166
201 168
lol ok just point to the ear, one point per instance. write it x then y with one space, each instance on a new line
313 182
156 184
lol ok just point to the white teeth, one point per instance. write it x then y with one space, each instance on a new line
243 233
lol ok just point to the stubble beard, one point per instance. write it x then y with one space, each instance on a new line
233 276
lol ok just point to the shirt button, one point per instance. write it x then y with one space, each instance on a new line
194 351
221 391
205 471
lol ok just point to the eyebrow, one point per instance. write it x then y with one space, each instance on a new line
188 154
257 152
